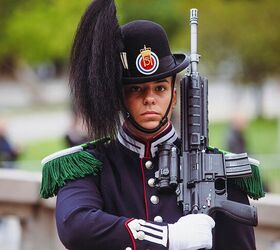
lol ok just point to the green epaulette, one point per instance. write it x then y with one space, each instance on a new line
252 184
68 164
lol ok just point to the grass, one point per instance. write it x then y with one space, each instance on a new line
261 137
35 151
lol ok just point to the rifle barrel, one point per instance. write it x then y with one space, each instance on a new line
194 24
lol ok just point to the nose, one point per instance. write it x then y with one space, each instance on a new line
149 98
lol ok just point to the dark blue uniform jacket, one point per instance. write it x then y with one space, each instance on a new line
94 212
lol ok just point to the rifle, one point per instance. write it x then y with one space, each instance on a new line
197 174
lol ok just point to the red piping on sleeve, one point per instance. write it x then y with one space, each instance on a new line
130 233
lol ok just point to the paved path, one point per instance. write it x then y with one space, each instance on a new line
36 126
32 124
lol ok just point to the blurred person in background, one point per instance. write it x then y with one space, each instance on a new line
106 194
8 152
235 139
76 133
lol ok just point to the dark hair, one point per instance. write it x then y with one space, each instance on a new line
95 69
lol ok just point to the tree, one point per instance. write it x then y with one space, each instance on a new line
242 32
239 38
37 31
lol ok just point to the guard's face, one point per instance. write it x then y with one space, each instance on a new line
148 102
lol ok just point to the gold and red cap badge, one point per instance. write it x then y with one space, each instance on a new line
147 61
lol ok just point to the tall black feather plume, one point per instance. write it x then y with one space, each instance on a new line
95 69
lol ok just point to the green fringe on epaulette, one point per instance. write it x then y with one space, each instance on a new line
67 167
252 185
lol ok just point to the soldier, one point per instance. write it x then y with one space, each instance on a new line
106 194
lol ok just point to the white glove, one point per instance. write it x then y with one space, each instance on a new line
191 232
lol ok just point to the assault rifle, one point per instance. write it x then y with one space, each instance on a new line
200 175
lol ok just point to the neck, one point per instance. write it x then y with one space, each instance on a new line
143 135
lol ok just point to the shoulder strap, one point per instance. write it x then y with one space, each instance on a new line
68 164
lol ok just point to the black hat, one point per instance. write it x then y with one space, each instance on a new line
147 56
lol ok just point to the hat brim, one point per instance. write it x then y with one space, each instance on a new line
182 61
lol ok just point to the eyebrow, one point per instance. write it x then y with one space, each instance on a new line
161 80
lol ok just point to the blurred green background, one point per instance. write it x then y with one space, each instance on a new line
238 40
244 31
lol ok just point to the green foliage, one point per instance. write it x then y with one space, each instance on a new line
42 30
160 11
241 32
245 33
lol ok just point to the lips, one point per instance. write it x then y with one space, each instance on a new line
150 113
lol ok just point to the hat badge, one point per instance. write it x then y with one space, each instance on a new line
147 61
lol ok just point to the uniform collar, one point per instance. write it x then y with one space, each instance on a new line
147 148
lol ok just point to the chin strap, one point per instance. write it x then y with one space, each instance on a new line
163 121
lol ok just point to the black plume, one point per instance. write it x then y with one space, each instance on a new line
95 69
